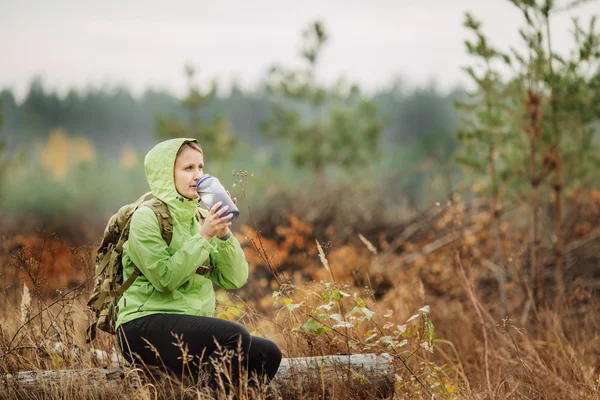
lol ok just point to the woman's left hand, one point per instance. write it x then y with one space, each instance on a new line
225 231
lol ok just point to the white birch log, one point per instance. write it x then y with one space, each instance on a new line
365 367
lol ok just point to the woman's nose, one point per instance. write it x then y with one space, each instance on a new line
198 176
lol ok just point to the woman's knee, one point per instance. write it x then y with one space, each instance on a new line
269 349
265 357
273 351
239 334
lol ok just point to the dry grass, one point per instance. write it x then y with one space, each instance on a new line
352 296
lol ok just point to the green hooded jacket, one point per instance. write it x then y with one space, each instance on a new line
169 282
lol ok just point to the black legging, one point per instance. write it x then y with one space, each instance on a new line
261 356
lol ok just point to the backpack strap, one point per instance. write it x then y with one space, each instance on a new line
165 222
201 214
136 272
163 215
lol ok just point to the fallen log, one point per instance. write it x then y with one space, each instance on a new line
377 369
370 367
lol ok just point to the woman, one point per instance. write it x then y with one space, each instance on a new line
172 296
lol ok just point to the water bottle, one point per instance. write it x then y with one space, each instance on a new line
211 191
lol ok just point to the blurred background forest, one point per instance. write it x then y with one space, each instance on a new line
84 149
97 139
484 197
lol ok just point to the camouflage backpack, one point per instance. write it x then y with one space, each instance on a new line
109 285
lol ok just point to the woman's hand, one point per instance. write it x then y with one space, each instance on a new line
214 224
225 231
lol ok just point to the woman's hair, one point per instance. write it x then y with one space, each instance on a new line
193 145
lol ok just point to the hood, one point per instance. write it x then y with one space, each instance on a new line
159 164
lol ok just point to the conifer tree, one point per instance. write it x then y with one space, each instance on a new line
214 136
545 112
325 126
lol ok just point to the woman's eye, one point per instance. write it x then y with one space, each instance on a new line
188 168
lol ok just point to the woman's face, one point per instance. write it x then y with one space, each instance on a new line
188 171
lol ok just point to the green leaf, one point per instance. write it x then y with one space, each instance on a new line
412 318
343 324
327 306
353 311
427 347
429 333
313 326
360 302
291 305
338 295
336 317
386 340
368 313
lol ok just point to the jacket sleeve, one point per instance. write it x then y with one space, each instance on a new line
148 251
231 267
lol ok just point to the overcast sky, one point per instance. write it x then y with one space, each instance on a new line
143 43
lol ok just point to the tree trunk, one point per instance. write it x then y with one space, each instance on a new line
293 371
560 242
533 102
559 247
319 171
494 214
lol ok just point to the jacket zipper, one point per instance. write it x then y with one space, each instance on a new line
141 305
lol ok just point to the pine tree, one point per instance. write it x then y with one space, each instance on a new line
214 137
3 163
560 92
335 126
484 131
547 125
